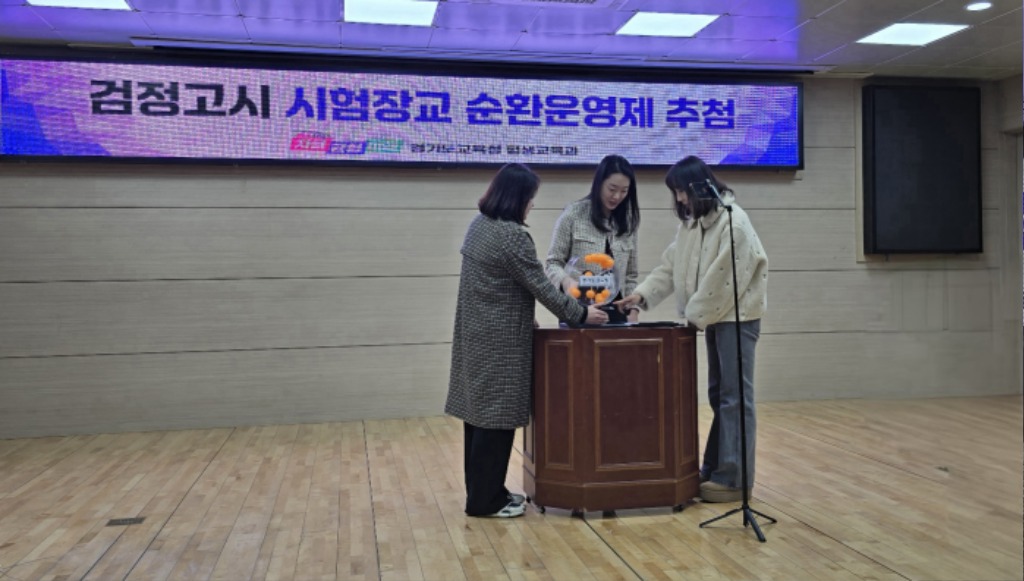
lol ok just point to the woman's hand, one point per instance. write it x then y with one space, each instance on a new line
633 316
596 316
629 303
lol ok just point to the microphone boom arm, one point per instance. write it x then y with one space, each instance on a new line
715 193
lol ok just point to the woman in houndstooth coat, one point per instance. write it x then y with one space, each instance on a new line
492 345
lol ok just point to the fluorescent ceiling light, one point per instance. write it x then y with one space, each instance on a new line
910 34
93 4
975 6
401 12
665 24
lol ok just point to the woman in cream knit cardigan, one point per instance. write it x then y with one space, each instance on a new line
697 268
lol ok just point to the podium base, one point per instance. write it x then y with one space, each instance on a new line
611 496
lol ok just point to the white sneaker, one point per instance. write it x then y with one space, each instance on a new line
516 498
511 510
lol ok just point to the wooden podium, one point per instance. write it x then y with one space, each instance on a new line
614 421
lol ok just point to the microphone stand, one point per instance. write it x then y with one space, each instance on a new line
748 513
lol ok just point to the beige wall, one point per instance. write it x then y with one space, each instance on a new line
153 297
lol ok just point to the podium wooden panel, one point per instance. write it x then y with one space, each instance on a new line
614 421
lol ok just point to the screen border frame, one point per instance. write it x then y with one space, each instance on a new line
385 65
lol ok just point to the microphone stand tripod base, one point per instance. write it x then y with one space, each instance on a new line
748 519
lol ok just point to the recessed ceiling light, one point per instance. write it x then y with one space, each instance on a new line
906 33
400 12
975 6
665 24
93 4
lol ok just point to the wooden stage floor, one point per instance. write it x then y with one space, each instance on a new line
926 489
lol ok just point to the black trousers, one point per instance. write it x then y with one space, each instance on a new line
486 463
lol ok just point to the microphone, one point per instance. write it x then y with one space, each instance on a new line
707 191
714 191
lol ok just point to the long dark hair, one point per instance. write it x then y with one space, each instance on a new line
690 170
626 215
510 193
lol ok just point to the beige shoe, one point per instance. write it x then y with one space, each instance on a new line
715 492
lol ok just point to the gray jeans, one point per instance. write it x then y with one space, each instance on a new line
722 453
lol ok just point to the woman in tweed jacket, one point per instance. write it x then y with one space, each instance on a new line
492 346
606 221
697 268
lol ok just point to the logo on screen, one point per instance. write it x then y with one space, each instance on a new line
384 145
315 141
347 148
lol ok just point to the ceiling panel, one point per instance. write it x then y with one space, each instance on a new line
950 11
329 10
300 32
978 73
958 47
22 24
1005 57
830 32
579 22
215 7
749 27
785 53
358 35
934 72
222 28
887 10
484 16
697 49
801 10
817 38
864 54
683 6
94 26
1010 21
483 40
646 46
557 43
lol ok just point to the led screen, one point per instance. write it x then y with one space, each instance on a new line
157 111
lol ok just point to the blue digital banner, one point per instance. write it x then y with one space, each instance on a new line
153 111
